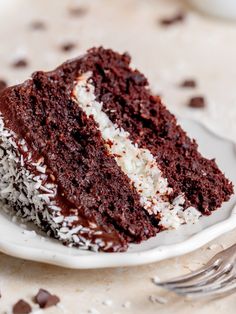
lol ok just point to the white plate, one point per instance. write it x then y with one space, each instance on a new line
165 245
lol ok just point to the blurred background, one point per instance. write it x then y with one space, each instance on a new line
168 40
185 53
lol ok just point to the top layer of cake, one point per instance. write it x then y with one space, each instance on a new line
119 166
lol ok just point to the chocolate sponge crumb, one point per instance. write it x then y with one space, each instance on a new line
20 63
197 102
66 47
188 83
177 18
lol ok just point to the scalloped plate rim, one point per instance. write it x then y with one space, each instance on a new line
93 260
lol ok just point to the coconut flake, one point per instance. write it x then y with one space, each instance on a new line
32 194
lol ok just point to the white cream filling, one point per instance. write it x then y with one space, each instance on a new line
137 163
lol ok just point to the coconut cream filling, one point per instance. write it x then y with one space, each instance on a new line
137 163
33 195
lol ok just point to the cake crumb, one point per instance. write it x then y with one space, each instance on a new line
157 299
20 63
177 18
188 83
68 46
197 102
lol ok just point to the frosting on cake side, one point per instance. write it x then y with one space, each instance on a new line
28 188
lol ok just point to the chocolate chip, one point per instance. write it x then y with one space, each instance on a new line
77 11
68 46
197 102
38 25
52 300
42 297
177 18
189 83
20 63
3 84
45 299
21 307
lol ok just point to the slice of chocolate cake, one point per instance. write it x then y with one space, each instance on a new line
92 158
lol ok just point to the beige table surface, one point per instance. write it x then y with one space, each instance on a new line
202 48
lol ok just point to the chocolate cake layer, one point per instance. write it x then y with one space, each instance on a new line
127 101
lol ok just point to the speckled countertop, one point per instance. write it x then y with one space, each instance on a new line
201 48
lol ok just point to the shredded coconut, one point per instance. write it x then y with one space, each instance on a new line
32 196
29 234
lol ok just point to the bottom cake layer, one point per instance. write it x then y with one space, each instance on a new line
30 191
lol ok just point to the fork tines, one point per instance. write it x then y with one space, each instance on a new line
216 278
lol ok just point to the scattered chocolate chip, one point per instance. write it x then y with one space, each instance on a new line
20 63
3 84
68 46
177 18
45 299
77 11
42 297
52 300
189 83
21 307
197 102
38 25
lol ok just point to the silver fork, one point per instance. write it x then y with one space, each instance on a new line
216 278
